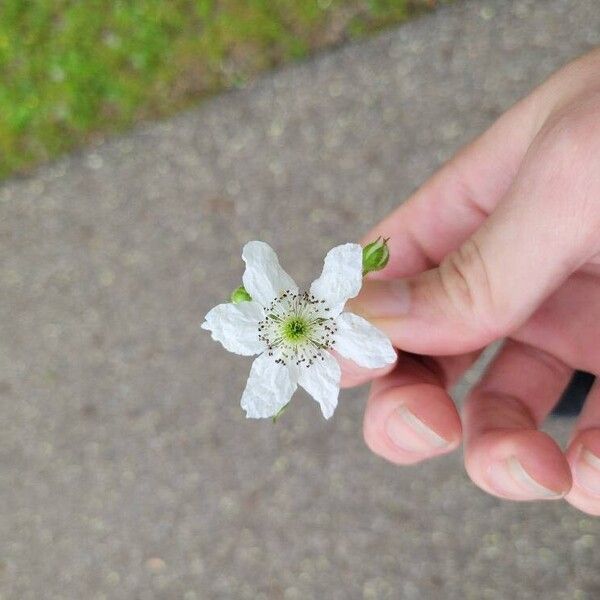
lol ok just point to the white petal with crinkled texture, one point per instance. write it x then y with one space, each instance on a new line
269 388
322 381
362 343
236 327
341 277
264 279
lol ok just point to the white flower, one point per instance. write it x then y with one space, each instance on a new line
292 331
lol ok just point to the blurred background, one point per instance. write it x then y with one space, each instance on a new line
141 144
74 71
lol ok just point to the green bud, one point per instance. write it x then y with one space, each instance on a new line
375 255
240 295
279 412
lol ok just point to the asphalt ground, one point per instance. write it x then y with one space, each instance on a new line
128 470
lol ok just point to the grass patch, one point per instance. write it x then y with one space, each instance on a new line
72 70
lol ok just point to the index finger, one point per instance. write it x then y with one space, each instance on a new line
444 211
456 200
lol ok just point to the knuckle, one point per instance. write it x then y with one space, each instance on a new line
566 156
572 132
555 369
490 410
465 280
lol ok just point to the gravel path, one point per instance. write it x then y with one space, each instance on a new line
127 468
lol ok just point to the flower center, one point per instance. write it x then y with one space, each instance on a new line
297 328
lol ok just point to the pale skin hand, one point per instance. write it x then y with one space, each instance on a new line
502 242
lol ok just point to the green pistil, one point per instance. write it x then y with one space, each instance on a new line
295 330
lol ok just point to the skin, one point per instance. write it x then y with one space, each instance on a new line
502 242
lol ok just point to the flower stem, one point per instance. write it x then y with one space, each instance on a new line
279 412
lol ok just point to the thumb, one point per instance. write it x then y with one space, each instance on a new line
537 236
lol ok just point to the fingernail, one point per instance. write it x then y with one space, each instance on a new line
510 478
410 434
381 299
397 301
587 471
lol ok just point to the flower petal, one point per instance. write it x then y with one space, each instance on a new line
362 343
322 381
341 277
264 279
236 327
270 387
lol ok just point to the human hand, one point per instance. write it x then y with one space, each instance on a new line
502 242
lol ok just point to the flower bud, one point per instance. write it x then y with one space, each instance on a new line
240 295
375 255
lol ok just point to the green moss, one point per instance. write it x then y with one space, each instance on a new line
71 70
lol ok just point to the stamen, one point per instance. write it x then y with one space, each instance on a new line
295 328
